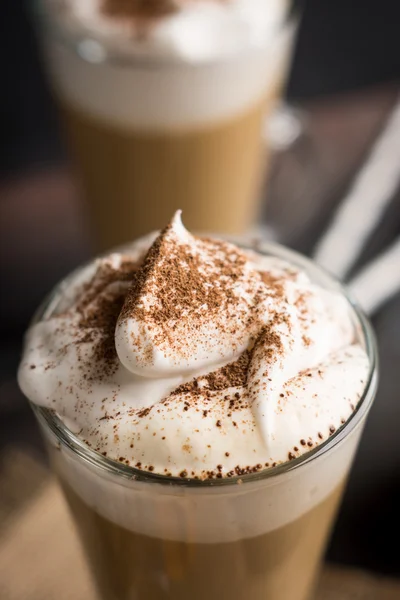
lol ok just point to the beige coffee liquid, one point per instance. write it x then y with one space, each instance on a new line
280 564
134 180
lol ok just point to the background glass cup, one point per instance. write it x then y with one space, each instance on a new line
152 135
261 536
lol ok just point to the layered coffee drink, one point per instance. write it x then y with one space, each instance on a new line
164 103
202 404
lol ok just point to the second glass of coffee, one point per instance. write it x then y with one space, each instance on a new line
164 105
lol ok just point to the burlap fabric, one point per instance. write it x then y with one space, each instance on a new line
41 559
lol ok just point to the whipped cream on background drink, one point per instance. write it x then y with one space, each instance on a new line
212 398
164 103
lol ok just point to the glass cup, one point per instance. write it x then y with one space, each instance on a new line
151 135
259 536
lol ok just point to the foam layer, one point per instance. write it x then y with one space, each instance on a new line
208 515
200 78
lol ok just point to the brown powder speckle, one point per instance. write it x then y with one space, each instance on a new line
187 295
193 297
138 11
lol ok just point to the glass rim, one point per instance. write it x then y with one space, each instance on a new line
67 438
117 56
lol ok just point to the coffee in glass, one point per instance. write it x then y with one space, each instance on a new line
202 405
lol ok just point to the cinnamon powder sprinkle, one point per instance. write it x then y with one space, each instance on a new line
98 308
188 295
185 292
142 9
232 375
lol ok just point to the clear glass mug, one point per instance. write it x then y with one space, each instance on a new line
261 536
153 135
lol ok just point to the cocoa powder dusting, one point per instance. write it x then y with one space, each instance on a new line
104 276
187 292
274 284
139 9
99 313
143 12
232 375
270 339
139 16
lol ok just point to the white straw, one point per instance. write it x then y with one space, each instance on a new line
379 280
360 211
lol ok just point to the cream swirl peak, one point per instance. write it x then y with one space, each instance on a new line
189 356
194 304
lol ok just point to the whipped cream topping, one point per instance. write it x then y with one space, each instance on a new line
190 308
191 357
193 30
